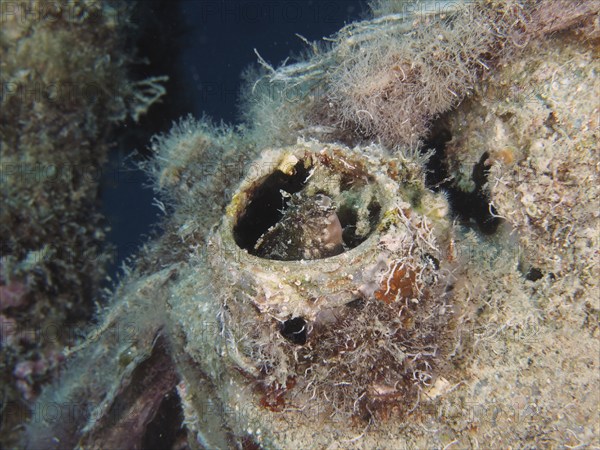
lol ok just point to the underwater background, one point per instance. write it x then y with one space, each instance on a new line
203 46
294 224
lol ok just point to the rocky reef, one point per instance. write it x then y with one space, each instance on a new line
65 85
398 248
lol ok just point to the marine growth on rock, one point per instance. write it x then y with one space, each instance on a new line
324 286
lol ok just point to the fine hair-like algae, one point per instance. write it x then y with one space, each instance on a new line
389 320
65 82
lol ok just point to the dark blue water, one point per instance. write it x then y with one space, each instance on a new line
203 45
223 36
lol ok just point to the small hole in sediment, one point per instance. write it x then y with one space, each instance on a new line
357 304
295 330
534 274
530 273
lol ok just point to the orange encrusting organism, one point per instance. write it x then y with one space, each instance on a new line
399 285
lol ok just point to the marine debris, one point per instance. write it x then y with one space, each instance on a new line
312 289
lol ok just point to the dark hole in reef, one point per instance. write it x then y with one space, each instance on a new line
152 381
374 209
466 206
348 218
265 206
166 429
430 259
357 303
294 330
534 274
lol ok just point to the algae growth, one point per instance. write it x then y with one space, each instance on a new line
407 259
